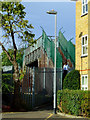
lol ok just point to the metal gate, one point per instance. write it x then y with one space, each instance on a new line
37 85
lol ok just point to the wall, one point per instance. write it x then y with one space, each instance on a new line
81 29
44 61
89 44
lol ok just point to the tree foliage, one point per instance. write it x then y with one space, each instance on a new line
13 22
19 57
5 60
17 30
16 33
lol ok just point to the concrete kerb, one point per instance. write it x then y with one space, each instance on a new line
70 116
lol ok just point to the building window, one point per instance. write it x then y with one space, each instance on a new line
84 82
84 45
84 7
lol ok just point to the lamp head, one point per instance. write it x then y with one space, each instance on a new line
52 12
74 0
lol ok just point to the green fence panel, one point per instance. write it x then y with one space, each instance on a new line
58 59
63 41
71 50
67 48
49 48
52 50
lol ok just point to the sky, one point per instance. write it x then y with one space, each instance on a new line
46 0
37 16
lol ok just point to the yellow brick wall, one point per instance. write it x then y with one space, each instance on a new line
82 63
89 44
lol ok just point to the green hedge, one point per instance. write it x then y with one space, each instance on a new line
72 80
74 102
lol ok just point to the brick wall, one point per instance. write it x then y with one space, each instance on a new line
82 23
89 44
44 61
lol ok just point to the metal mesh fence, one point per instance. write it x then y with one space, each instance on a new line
37 86
67 48
49 46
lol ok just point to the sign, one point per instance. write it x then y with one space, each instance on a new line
7 68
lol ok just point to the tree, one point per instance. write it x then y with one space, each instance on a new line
5 60
19 56
7 86
16 32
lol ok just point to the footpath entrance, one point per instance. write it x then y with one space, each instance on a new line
37 86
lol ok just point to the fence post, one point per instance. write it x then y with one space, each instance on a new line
61 75
26 89
44 79
29 88
28 84
33 88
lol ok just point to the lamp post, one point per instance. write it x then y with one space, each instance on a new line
54 90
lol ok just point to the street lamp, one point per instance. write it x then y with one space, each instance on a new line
54 90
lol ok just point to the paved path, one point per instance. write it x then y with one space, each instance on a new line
45 113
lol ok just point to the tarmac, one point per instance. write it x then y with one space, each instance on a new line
45 113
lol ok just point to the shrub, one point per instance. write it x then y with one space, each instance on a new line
7 83
72 80
74 102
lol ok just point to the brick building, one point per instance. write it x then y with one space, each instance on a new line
83 42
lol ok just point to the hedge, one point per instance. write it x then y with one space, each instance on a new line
74 102
72 80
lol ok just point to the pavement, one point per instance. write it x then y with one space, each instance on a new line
45 113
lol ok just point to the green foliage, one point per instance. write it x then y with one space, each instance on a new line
16 33
6 61
75 102
13 22
72 80
22 74
7 83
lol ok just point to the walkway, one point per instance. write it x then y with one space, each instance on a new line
45 113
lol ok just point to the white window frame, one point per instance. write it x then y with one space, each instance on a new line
84 86
84 4
85 45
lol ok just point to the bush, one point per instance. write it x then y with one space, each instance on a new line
74 102
72 80
7 83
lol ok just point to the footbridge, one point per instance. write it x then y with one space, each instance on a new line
41 54
37 85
